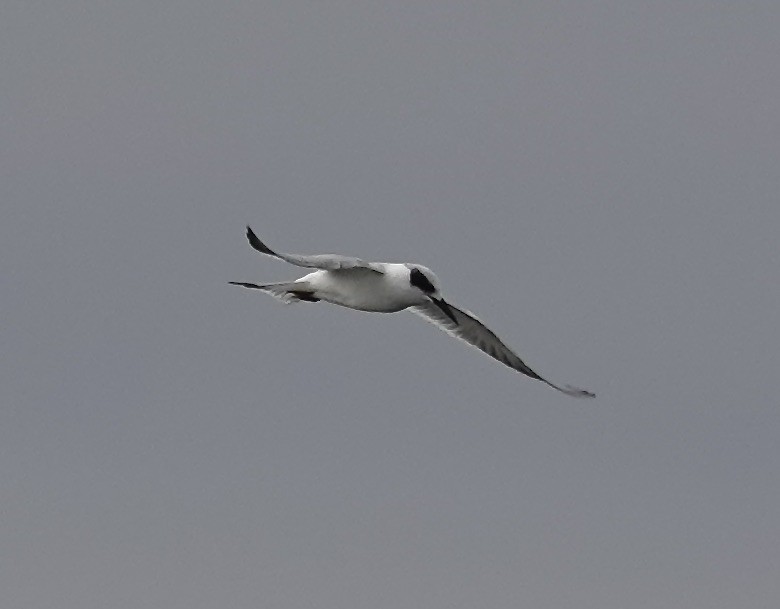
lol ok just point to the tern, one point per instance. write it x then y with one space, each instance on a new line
385 287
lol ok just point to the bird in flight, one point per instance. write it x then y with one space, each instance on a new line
385 287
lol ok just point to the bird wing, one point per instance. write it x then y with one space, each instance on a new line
472 331
330 262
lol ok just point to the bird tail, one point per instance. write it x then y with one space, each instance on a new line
286 291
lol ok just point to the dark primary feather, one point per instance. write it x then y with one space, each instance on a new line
259 245
329 262
472 331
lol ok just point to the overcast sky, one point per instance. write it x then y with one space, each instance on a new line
598 181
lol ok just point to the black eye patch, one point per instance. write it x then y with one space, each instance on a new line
418 279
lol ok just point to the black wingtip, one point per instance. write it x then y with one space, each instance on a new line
256 243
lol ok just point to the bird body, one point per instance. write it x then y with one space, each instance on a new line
388 291
385 287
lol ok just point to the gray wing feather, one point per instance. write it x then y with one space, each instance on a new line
330 262
472 331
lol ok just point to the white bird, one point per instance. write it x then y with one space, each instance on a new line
385 287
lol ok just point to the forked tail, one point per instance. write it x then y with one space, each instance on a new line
286 291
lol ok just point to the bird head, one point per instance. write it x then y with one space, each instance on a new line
423 279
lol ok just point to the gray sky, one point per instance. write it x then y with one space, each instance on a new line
598 181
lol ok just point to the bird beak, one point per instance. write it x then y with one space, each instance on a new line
439 302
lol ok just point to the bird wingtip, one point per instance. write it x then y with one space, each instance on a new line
577 392
255 242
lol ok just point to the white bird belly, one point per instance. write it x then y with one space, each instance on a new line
362 289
